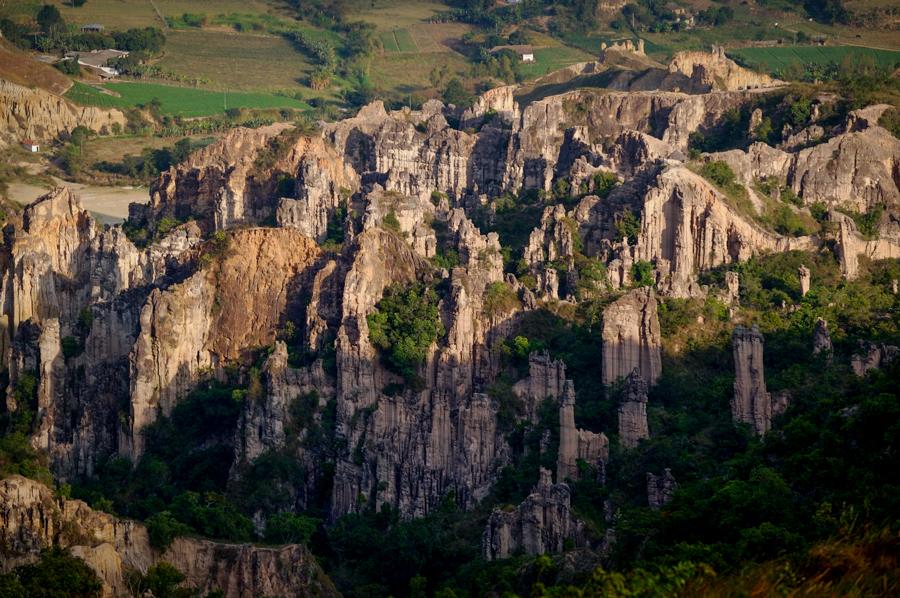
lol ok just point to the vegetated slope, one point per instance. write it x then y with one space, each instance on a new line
19 68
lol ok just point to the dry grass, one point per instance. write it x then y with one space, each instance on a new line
19 68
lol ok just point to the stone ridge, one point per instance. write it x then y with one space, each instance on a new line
32 520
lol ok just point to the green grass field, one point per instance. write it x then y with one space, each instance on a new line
775 59
551 59
405 41
177 101
389 42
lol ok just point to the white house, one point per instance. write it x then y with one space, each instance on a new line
528 57
31 146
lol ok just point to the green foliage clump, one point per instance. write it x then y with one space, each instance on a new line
642 274
290 528
404 325
163 528
628 227
604 183
390 222
500 298
56 575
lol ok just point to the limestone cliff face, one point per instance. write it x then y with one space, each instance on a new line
541 524
31 519
236 181
751 403
210 319
687 227
40 115
631 338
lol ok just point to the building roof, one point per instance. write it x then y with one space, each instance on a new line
97 58
92 26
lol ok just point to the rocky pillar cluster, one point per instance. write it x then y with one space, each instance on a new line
541 524
751 403
822 339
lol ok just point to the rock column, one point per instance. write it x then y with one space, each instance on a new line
751 403
633 411
805 275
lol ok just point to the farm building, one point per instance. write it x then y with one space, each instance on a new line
525 53
92 28
96 61
31 146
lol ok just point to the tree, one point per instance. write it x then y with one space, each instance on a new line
455 93
48 19
404 326
58 574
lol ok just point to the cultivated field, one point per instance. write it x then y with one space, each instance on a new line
236 61
177 101
775 59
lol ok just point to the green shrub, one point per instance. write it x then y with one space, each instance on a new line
719 173
71 347
604 183
500 298
56 575
290 528
642 274
628 227
162 528
390 222
404 325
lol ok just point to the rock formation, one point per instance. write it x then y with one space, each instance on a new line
871 356
32 520
660 489
541 524
805 275
40 115
631 337
822 339
576 444
715 71
751 403
633 411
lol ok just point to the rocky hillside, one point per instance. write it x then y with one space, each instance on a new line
416 312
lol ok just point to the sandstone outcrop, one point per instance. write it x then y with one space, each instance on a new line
633 411
631 337
31 519
541 524
714 71
237 181
751 403
42 116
